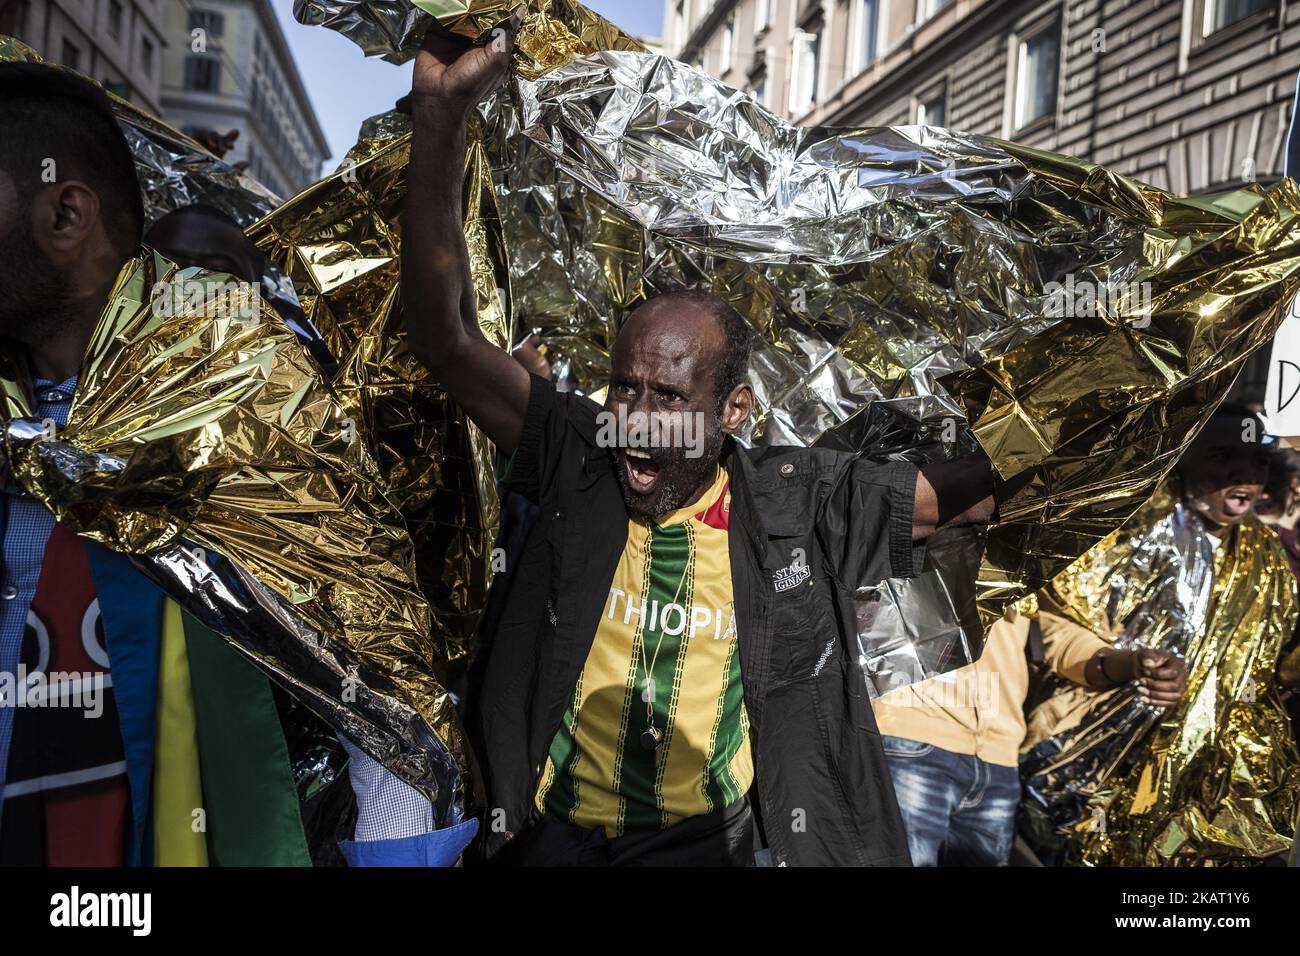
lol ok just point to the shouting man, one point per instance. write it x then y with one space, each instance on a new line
670 680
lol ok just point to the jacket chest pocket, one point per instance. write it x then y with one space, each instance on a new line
553 529
804 636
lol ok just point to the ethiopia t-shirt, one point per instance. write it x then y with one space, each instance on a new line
669 613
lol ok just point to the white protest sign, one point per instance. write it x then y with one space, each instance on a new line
1282 396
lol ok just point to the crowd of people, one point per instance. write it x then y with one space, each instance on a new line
665 676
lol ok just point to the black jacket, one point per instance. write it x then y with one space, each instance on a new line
807 526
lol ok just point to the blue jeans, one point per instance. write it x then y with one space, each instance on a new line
958 810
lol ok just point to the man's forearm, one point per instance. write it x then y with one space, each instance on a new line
450 78
437 293
1110 668
953 493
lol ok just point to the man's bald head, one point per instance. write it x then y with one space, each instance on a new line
708 321
203 236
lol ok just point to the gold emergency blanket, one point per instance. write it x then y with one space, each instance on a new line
556 30
907 284
338 242
1214 780
917 290
290 511
201 424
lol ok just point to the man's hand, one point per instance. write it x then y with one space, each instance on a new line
455 74
1161 675
528 355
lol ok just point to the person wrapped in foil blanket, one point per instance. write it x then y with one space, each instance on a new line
1215 779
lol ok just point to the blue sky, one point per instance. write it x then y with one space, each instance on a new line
345 87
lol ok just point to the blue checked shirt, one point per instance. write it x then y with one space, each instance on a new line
27 526
394 820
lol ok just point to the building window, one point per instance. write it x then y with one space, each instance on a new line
931 112
925 9
118 88
209 21
864 33
71 57
805 64
759 91
115 19
728 46
146 55
202 73
1037 62
762 15
1222 13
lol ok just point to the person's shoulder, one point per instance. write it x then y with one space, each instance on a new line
795 461
577 411
580 407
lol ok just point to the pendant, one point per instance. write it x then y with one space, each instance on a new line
648 690
651 738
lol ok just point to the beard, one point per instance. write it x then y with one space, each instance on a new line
35 295
680 474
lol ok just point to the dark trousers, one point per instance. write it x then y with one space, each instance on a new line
724 837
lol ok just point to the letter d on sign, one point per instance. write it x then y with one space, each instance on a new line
1282 395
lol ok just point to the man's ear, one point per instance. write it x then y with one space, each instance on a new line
737 408
65 218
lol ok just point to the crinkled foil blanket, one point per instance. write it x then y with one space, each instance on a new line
1214 780
897 277
208 443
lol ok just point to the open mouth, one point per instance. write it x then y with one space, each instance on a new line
642 470
1237 501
